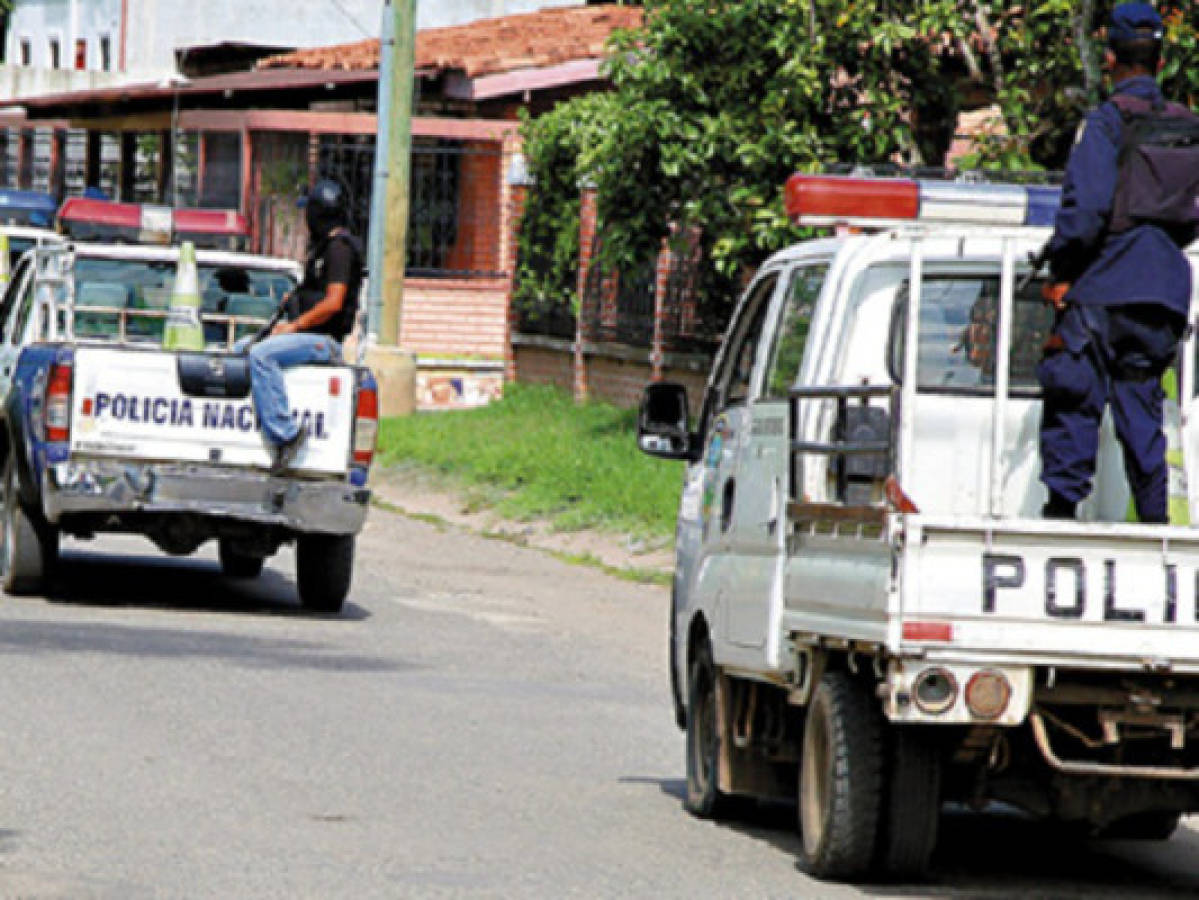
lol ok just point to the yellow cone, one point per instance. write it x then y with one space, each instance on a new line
183 329
5 274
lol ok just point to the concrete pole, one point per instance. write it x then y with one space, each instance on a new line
399 166
375 240
395 370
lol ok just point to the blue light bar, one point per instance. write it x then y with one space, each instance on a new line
27 208
1043 204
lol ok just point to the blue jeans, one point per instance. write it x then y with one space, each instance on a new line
268 359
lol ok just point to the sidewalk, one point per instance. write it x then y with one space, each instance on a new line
422 495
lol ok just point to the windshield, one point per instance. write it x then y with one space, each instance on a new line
235 299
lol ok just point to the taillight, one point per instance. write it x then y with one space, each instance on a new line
58 403
366 425
988 693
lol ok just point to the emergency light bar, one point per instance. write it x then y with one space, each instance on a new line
826 200
85 219
31 208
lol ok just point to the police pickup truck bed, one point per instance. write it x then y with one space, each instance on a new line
870 616
106 432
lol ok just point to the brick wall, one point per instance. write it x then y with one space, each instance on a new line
542 365
615 375
455 317
478 247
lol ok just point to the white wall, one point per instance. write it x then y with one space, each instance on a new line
67 20
157 28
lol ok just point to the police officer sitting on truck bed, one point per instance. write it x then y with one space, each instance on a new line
320 313
1121 287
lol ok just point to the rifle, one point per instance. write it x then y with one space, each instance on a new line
266 329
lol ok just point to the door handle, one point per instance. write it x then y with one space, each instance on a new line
726 504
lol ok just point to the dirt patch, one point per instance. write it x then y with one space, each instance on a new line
421 494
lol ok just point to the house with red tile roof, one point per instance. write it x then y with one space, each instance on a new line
249 139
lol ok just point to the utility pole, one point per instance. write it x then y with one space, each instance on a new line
399 168
395 370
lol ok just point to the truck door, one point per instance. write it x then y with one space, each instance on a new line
759 511
725 577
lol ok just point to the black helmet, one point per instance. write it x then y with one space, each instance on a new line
327 207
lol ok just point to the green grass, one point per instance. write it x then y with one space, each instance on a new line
536 454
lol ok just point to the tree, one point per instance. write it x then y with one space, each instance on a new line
716 104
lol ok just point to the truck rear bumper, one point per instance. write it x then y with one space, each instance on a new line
104 486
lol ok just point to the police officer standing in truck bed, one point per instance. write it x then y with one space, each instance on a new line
1121 286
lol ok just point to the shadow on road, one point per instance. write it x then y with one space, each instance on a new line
1002 855
999 855
188 585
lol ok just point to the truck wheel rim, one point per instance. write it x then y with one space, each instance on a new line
813 785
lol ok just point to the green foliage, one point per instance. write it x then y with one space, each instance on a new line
577 464
716 104
556 145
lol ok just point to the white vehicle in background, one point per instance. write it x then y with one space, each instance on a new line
104 431
870 615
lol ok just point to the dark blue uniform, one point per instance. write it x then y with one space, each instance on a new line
1125 312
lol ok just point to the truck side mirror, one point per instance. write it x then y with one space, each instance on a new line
662 421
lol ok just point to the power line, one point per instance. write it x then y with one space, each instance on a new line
345 12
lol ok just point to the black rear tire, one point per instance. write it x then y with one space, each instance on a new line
29 549
704 799
324 569
912 807
236 564
840 780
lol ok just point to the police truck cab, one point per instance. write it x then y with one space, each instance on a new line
870 615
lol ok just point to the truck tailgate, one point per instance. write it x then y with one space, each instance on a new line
1097 593
129 404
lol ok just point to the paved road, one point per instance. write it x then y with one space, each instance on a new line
483 721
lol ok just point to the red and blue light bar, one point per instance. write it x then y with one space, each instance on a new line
827 200
87 219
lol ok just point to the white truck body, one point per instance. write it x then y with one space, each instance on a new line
929 577
129 405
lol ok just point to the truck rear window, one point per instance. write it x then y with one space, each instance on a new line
235 299
958 323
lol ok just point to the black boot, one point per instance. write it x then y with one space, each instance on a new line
1058 507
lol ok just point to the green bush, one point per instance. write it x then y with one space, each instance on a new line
548 457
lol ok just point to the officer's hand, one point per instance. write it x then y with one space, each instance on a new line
283 328
1054 292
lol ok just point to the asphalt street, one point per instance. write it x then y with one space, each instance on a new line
483 721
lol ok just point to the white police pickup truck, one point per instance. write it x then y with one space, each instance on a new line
869 613
104 431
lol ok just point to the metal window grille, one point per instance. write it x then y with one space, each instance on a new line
455 215
350 160
74 153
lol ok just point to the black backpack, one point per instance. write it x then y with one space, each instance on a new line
1159 166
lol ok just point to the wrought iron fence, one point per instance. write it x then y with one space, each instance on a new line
553 319
695 305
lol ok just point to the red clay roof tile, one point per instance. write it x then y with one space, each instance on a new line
488 46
